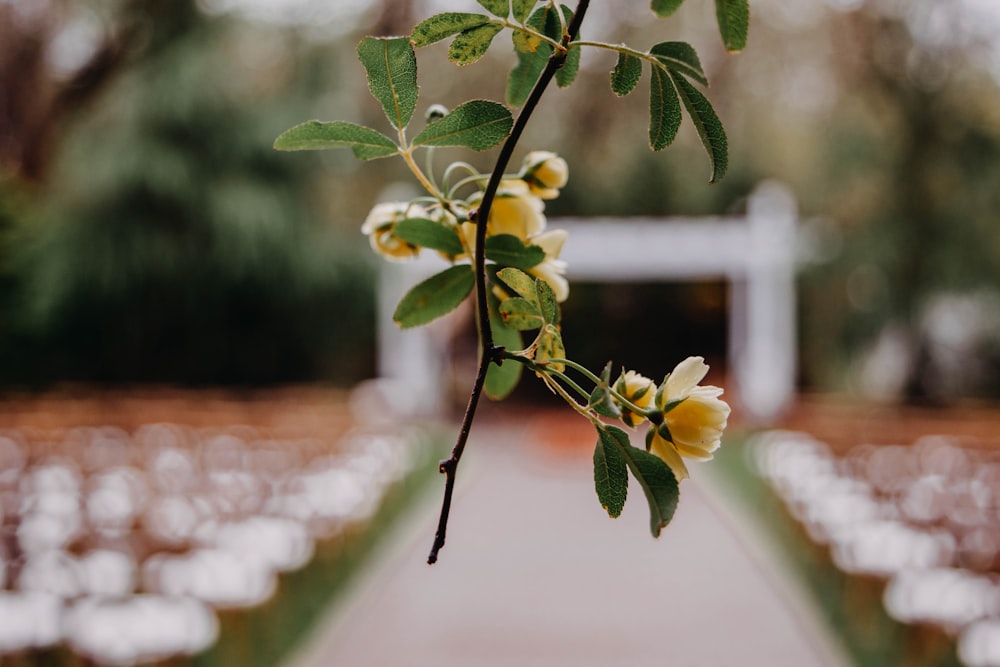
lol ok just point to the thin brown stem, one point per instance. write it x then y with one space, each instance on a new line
490 352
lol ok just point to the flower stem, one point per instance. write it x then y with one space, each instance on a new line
419 174
490 353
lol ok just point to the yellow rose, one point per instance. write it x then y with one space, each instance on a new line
638 390
518 213
381 222
552 269
693 417
514 211
545 173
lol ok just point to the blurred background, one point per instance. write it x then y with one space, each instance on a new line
149 232
150 236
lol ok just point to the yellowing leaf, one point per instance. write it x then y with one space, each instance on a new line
441 26
472 44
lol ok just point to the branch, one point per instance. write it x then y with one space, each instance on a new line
491 352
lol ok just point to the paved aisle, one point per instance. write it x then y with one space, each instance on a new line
536 574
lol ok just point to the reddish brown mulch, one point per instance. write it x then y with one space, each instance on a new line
843 423
294 410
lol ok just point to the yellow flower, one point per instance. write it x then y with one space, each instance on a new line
517 212
381 222
638 390
544 172
552 269
694 417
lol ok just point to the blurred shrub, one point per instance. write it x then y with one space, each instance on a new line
170 243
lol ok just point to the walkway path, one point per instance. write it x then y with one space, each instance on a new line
535 574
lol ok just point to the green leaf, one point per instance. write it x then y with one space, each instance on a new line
444 25
497 7
472 44
366 143
502 379
547 301
392 75
567 73
522 9
601 398
547 21
438 295
654 476
521 314
520 282
733 17
522 78
664 110
604 403
531 61
426 233
479 125
712 134
626 74
664 8
610 474
659 486
680 57
508 250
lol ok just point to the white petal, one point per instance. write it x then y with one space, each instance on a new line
685 377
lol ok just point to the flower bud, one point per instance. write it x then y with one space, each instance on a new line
639 391
435 112
516 211
545 173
